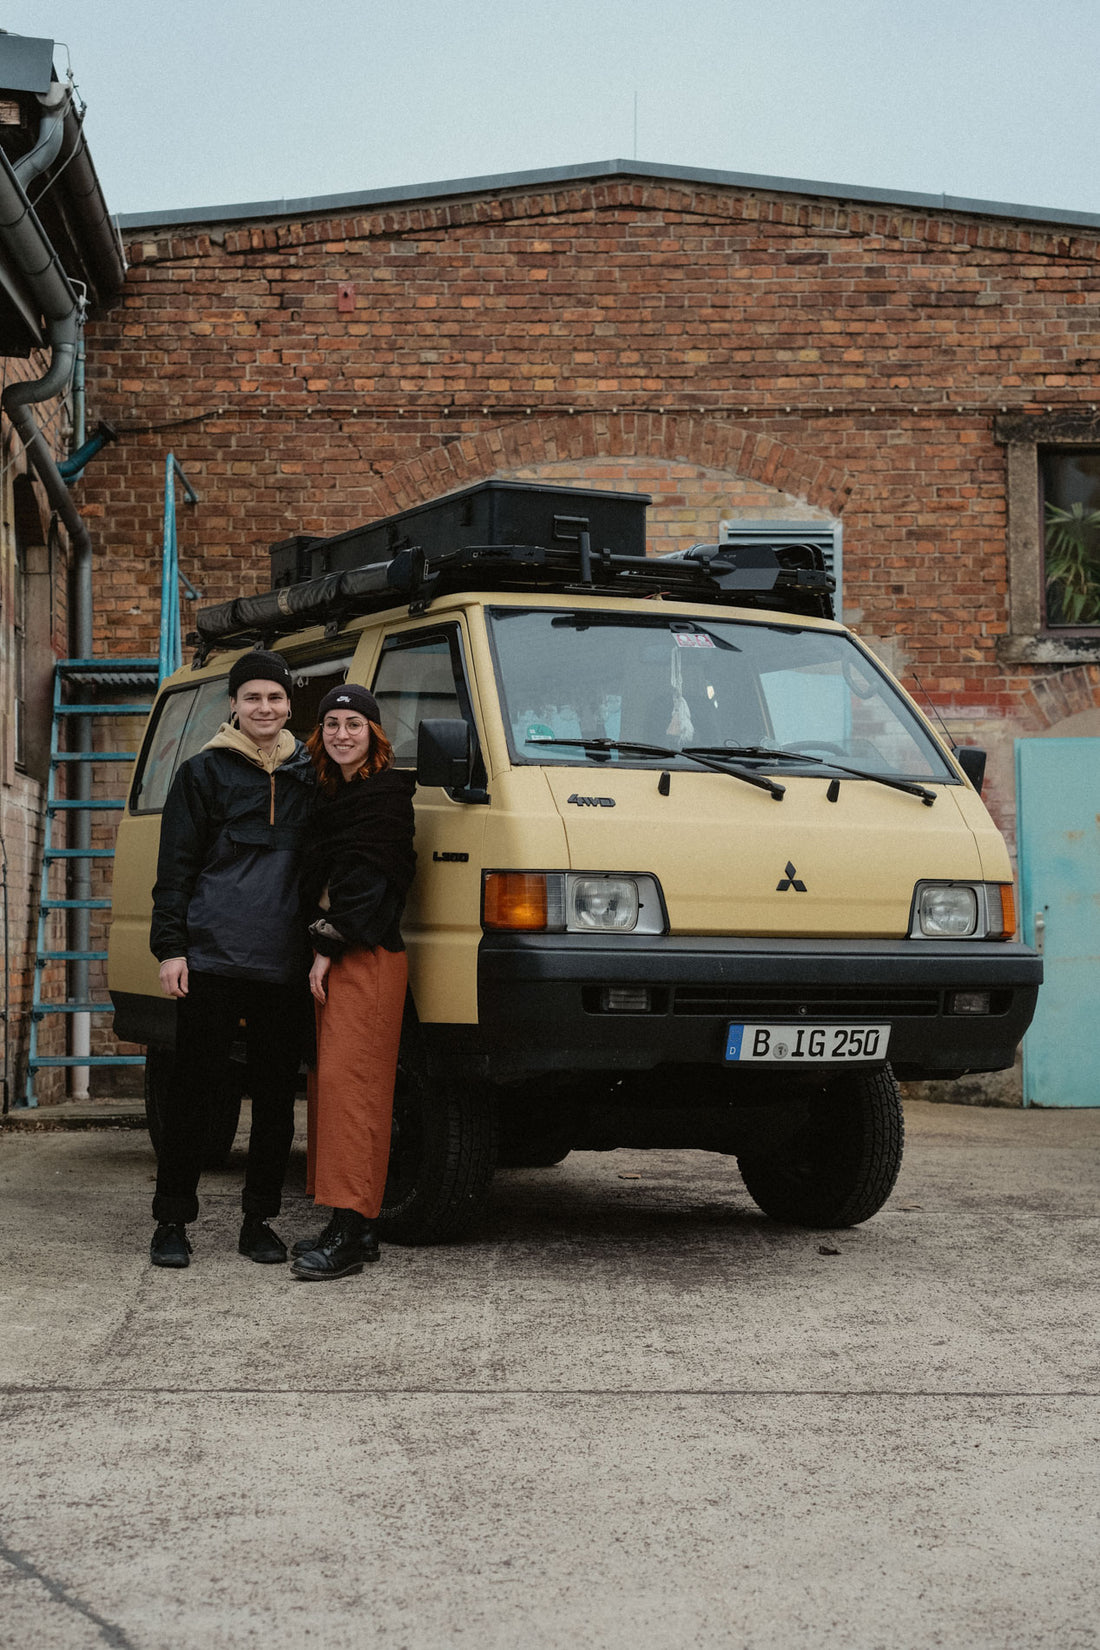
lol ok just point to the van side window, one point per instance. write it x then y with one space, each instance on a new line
185 720
419 676
157 761
188 718
211 709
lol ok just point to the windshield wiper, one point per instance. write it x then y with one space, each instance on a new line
715 758
765 751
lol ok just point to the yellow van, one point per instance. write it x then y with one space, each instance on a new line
693 870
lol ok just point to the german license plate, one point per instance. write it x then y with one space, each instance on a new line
798 1045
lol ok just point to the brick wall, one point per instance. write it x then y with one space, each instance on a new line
22 784
729 351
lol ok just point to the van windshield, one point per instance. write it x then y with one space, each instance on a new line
766 693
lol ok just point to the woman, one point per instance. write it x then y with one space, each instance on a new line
357 867
227 932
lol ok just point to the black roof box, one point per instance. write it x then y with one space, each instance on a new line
492 513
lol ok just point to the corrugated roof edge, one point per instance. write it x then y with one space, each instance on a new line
329 205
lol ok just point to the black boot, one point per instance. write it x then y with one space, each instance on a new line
349 1243
304 1245
260 1243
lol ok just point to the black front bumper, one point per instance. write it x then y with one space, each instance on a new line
540 999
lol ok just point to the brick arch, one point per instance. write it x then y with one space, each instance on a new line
709 442
1066 694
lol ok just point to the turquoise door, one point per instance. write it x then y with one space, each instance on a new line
1058 806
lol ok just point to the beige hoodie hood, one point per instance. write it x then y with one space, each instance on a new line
229 738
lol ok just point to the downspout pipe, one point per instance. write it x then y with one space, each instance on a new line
29 250
78 189
56 104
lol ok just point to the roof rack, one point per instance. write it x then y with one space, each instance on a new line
790 578
417 580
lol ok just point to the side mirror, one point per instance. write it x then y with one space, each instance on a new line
444 753
971 759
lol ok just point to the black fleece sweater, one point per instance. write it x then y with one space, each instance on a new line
358 863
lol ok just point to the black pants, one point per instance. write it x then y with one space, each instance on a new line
207 1026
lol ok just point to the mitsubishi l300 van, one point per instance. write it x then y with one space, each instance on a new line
693 870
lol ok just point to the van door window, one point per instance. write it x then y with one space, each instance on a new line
311 682
421 676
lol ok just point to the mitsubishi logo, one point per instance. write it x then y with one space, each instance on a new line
790 881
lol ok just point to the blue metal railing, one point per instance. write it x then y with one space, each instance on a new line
76 686
171 628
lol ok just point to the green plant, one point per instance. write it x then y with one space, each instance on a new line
1073 565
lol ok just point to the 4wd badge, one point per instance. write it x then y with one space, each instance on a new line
591 801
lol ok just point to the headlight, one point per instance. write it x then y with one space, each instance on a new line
567 902
609 904
963 911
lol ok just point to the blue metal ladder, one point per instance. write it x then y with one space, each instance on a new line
121 675
80 674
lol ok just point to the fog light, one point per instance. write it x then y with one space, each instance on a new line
969 1002
627 999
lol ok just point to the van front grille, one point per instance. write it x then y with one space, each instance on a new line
808 1002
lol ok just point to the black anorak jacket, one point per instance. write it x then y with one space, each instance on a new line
227 888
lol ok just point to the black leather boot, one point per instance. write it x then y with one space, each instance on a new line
350 1241
304 1245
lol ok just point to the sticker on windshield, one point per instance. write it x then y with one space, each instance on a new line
692 638
538 730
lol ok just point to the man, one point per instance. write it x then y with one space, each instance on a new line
228 933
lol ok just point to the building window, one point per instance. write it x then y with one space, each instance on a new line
1052 538
1070 479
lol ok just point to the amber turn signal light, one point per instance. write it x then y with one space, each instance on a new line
1008 911
514 899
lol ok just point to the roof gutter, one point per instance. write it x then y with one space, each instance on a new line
79 182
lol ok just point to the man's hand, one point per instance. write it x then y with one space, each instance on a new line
173 977
317 974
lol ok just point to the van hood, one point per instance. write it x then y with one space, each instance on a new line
730 859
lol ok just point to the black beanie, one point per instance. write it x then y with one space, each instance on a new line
259 667
350 696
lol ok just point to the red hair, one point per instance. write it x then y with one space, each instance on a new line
379 756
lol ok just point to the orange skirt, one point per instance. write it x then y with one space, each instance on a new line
351 1086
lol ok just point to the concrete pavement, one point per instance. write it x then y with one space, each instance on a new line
630 1411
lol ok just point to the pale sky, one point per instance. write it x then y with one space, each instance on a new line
227 102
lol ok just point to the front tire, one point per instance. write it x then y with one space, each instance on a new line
442 1154
839 1168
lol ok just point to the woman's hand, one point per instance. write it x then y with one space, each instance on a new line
317 976
173 977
